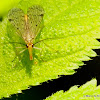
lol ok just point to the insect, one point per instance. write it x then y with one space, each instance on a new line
27 25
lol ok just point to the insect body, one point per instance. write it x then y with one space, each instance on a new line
27 25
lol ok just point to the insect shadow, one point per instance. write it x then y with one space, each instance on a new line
23 57
1 18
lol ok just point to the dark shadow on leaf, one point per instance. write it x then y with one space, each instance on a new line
22 57
1 18
27 63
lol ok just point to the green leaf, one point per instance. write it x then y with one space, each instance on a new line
73 27
88 91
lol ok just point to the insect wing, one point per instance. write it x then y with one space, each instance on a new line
35 17
27 26
16 18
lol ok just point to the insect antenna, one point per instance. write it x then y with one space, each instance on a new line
15 43
48 39
48 45
17 47
42 40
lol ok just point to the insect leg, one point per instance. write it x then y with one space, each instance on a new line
51 47
19 53
20 47
37 48
40 52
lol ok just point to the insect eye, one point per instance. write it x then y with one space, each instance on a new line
27 46
32 45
